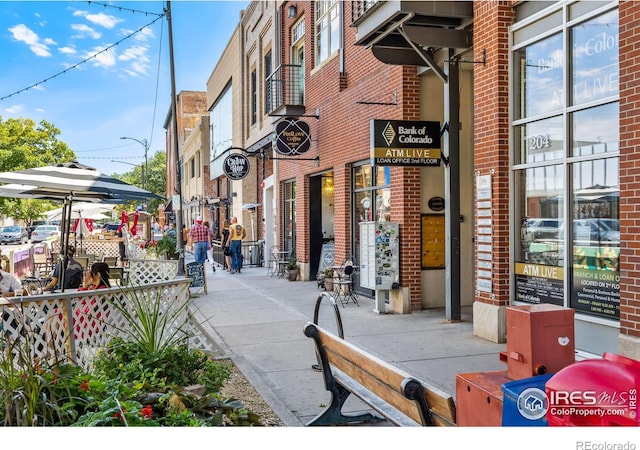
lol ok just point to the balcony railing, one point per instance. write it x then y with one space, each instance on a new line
360 8
285 88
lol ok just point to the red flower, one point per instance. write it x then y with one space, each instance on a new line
85 385
146 412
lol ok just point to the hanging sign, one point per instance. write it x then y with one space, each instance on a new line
292 137
236 166
405 143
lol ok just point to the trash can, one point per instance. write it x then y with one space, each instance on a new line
525 402
595 392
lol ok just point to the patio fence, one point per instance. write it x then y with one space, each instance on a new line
75 326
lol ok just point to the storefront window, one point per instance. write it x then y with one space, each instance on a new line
539 88
595 59
371 197
566 111
540 141
596 130
596 238
289 215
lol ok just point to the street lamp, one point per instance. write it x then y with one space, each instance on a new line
145 172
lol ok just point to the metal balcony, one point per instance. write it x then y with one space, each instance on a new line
285 91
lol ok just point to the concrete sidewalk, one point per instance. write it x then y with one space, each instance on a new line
258 320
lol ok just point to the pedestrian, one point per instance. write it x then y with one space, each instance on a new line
199 240
225 244
236 234
210 246
73 274
171 231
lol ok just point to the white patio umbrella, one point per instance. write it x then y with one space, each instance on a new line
86 210
69 182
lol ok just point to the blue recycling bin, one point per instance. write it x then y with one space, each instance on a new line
525 402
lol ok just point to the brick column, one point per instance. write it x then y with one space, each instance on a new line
491 155
629 339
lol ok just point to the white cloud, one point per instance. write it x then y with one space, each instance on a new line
85 30
104 20
22 33
67 50
138 60
15 109
105 59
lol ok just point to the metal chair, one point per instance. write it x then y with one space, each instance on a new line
343 287
112 261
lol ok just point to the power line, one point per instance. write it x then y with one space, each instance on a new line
104 50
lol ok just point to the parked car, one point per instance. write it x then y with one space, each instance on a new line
111 226
44 232
34 225
594 232
13 234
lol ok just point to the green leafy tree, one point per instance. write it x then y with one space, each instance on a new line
156 180
23 145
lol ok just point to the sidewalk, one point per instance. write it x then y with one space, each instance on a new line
258 320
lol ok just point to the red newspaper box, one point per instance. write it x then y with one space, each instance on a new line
595 392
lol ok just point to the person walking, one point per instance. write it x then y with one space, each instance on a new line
199 240
210 246
236 234
225 244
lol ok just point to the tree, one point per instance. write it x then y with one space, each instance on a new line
156 180
24 145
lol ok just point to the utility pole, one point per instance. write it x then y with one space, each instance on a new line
174 143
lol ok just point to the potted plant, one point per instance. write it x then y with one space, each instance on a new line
328 279
292 269
166 248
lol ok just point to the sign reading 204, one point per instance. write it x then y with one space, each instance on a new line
539 141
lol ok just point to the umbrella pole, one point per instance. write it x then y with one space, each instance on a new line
65 236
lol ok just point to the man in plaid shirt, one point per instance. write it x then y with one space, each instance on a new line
199 237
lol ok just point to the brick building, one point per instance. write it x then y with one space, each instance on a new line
532 196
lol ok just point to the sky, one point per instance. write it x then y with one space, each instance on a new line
99 71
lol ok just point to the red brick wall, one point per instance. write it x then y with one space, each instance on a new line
629 168
341 136
491 130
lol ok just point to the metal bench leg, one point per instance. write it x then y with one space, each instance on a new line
332 414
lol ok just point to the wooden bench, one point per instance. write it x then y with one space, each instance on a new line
400 398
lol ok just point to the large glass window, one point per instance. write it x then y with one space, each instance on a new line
565 146
221 120
327 28
371 196
289 216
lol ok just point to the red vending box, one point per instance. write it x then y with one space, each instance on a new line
540 339
595 392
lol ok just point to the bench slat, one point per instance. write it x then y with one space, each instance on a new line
384 380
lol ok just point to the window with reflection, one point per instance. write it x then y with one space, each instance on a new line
539 81
565 147
371 197
595 237
289 216
595 59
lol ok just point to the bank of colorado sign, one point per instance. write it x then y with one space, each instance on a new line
405 143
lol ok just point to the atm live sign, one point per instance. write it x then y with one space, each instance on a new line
405 143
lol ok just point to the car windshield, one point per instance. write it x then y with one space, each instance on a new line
46 228
11 229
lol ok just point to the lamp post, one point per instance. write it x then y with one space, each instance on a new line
130 164
145 173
